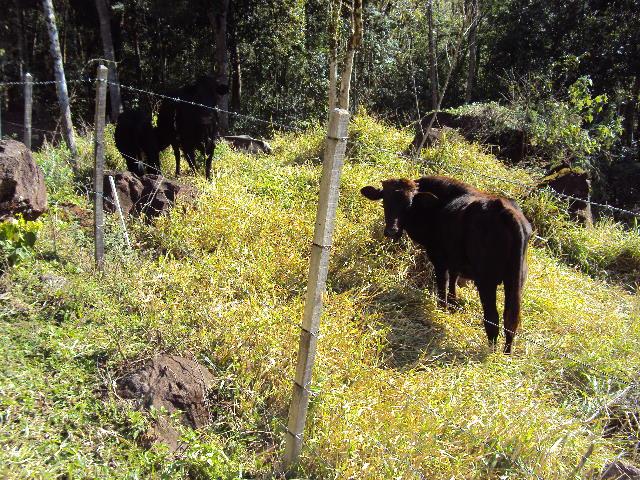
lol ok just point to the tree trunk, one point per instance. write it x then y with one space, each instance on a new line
104 16
629 112
334 25
433 59
355 41
19 21
61 83
218 19
421 130
473 48
236 73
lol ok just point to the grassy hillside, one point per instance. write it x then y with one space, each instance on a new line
402 388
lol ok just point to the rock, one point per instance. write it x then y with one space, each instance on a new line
129 188
620 471
172 383
248 144
576 184
158 195
150 195
22 187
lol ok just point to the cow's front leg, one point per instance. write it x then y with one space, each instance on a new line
190 154
442 277
452 298
176 154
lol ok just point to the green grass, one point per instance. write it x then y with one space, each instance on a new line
401 387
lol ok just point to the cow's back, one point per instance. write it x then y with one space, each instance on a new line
445 188
482 235
473 233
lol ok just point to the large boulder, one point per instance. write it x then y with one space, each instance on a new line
175 385
574 183
149 195
22 187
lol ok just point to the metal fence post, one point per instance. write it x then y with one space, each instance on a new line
325 219
116 200
28 105
98 152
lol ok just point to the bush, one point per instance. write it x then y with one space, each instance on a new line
17 240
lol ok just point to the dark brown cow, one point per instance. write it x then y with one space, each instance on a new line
466 233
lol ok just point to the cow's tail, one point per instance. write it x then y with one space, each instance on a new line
515 275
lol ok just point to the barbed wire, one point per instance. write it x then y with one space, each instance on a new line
529 187
208 107
44 82
21 125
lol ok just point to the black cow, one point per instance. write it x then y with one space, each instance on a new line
136 140
467 233
189 127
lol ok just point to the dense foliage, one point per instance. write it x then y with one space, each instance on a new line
282 48
546 57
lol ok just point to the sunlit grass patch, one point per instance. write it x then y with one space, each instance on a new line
402 388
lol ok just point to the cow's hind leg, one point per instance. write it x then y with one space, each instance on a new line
488 298
512 300
209 148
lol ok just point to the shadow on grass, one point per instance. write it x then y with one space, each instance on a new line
417 335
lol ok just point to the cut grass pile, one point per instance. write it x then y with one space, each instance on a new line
402 389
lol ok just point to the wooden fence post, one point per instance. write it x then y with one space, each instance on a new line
28 105
98 152
325 219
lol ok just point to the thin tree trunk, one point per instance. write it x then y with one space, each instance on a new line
473 49
61 83
334 24
19 21
433 59
629 113
218 21
355 41
104 15
452 67
236 72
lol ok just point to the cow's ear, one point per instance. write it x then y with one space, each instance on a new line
425 199
372 193
222 89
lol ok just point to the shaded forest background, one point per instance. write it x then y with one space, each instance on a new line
577 60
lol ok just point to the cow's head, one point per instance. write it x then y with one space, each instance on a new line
398 196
